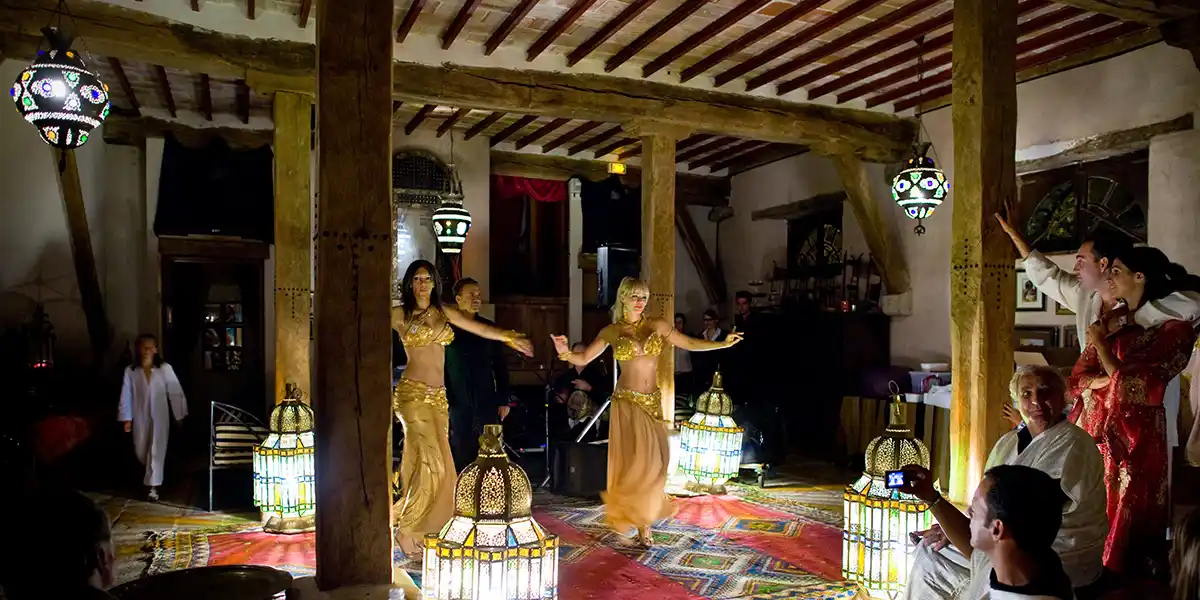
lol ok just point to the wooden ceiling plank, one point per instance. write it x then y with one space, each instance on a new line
195 5
631 152
629 13
692 141
448 124
737 13
512 128
787 17
123 81
507 26
164 87
206 108
1031 61
243 101
410 19
731 155
677 16
608 148
1054 36
305 10
250 9
594 141
460 21
723 153
702 149
824 50
808 34
558 28
418 118
541 132
481 126
758 158
571 135
1148 12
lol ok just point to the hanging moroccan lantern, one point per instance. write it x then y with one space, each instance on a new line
491 549
451 222
284 467
920 187
711 442
877 520
39 340
59 95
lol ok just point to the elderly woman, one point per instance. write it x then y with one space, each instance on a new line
1048 443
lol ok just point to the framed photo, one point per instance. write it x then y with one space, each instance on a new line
1061 310
1035 339
233 312
1029 298
1070 336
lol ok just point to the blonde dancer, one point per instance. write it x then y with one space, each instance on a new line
638 447
427 474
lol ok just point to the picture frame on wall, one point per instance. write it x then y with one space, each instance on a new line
1029 298
1062 311
1070 336
1035 338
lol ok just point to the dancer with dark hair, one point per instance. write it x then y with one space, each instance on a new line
150 394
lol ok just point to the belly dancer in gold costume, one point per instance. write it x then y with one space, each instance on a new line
427 474
638 446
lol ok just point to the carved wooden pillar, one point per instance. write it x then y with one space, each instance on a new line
353 366
982 292
293 239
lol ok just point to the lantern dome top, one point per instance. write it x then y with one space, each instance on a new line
492 487
292 415
715 401
897 447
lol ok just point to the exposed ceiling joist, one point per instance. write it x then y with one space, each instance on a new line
1147 12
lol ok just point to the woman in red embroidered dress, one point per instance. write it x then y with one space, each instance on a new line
1118 386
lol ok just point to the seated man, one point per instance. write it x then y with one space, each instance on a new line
1048 443
1015 515
65 549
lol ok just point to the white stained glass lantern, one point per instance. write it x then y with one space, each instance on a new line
284 469
920 188
491 549
451 223
711 442
875 549
59 95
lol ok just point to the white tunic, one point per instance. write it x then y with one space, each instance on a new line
149 405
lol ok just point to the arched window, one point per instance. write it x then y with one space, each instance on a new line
420 181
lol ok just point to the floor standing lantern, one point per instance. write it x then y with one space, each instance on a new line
284 469
491 549
875 549
711 442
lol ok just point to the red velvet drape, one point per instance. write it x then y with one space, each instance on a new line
505 187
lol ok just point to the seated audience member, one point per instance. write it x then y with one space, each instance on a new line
1015 516
705 364
1048 443
66 549
579 392
1185 557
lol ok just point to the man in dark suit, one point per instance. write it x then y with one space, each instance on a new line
476 379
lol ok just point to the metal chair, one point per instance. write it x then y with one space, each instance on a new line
233 434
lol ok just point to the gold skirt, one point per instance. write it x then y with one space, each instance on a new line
427 474
638 453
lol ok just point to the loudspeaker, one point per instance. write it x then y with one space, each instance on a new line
613 264
580 469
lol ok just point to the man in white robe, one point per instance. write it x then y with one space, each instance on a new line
148 398
945 568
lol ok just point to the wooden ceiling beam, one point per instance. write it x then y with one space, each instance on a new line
1147 12
787 17
541 132
410 19
758 158
558 28
806 35
724 153
677 16
512 128
418 118
305 10
571 135
608 148
195 4
205 90
725 21
243 101
821 52
629 13
800 208
699 150
481 126
460 20
123 81
507 26
595 140
164 88
250 9
448 124
133 131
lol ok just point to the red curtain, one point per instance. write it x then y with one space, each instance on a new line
505 187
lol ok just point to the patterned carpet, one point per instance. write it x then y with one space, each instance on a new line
780 543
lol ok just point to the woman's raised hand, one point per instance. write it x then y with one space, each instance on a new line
561 344
733 338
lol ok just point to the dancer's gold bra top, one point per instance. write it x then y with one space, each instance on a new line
419 334
626 348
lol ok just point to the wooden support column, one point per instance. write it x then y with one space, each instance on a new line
658 237
352 375
81 252
982 292
293 239
881 238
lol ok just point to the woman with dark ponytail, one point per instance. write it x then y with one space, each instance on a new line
1120 382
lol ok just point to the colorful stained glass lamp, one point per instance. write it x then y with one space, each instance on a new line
711 442
59 95
920 187
451 223
491 549
875 549
284 469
